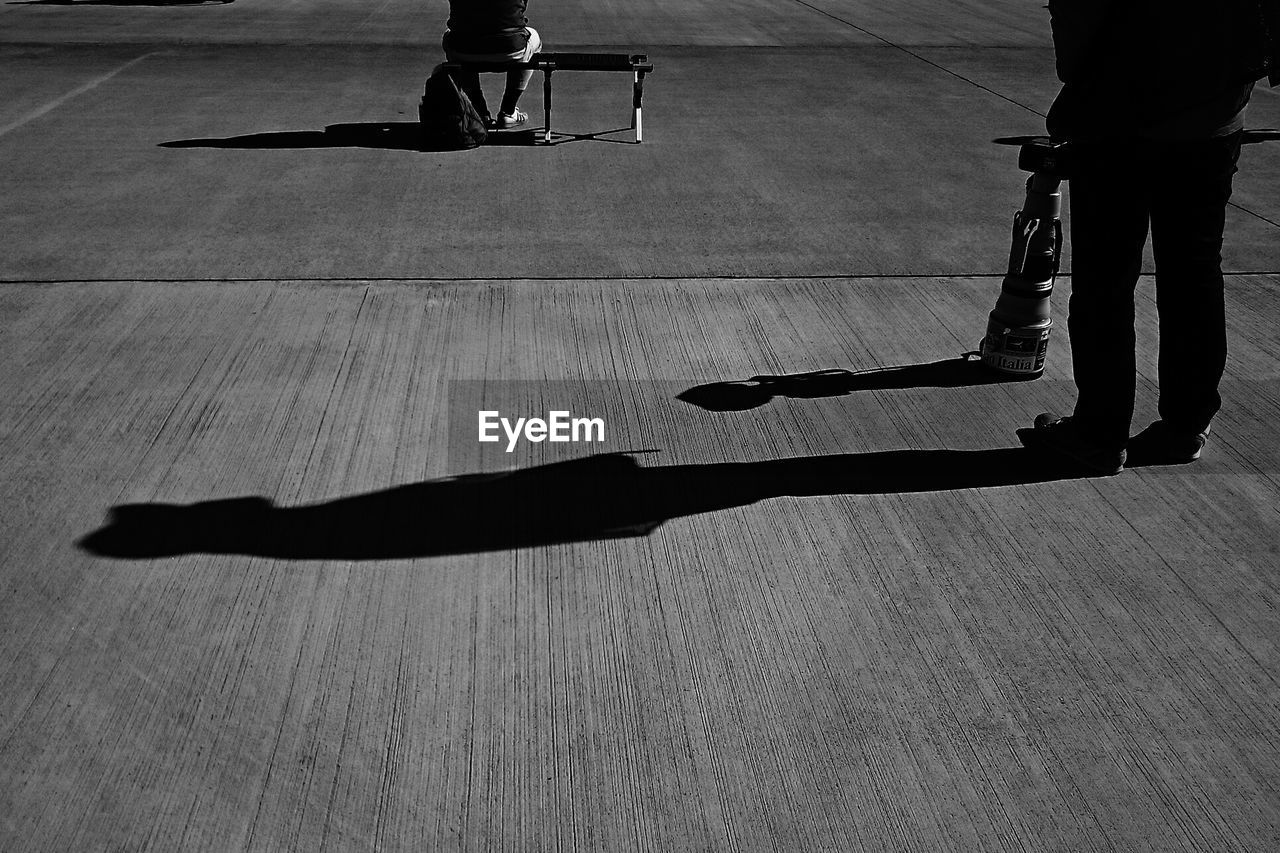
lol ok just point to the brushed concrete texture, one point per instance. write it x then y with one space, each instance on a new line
259 590
247 162
861 621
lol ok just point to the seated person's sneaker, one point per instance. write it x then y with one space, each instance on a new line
1060 437
1162 444
514 120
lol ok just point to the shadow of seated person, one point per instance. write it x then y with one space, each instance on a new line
388 135
598 497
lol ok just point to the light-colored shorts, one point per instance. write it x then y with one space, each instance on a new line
534 45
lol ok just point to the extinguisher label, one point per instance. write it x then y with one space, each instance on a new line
1014 353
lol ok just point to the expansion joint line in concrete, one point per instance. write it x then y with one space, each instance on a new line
536 279
74 93
1265 219
915 55
503 279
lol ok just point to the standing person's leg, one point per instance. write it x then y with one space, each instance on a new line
1187 220
518 81
1109 215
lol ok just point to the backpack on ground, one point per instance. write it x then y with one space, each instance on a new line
448 119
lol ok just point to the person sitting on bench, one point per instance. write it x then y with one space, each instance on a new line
492 31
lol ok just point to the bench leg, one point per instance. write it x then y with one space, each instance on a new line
546 104
637 97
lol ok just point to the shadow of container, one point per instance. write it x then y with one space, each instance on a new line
737 396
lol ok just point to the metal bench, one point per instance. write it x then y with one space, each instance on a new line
636 63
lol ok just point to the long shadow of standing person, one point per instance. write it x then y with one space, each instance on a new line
1153 103
593 498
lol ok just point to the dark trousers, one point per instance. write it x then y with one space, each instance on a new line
1181 189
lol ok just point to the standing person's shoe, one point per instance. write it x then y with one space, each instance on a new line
1061 437
514 120
1161 444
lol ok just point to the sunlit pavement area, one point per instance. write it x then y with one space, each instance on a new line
262 587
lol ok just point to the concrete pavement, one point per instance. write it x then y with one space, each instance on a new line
258 589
